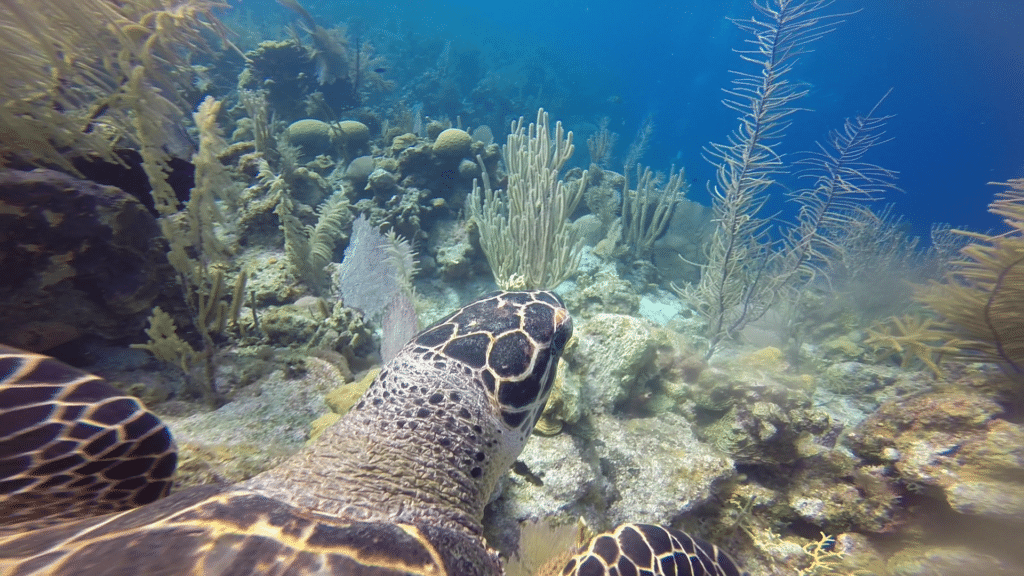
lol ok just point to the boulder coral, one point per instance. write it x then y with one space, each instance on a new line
453 143
312 136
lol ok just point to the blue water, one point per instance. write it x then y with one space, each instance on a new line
956 70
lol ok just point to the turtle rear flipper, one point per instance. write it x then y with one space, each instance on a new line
650 549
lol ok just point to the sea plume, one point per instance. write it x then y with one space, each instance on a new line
330 47
843 183
740 279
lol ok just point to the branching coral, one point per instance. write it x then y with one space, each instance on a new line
199 257
525 231
912 337
646 211
825 560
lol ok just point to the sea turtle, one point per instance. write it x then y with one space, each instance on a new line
397 486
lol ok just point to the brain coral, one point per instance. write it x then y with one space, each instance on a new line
356 133
453 143
312 136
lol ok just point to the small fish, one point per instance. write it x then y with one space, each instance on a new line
100 110
179 143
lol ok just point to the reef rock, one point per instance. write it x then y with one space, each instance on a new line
78 258
758 413
955 443
948 561
613 351
602 294
609 480
640 453
265 422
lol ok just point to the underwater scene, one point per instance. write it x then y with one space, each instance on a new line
581 288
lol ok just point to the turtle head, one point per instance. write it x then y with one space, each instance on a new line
495 361
461 398
512 342
506 347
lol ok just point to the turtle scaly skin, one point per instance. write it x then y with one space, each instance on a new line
396 486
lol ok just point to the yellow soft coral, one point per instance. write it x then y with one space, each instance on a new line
982 299
67 85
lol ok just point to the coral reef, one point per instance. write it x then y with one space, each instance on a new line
953 445
766 401
451 250
285 69
605 479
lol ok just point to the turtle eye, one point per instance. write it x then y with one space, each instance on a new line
563 332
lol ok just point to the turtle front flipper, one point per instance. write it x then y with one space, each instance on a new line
72 445
650 549
219 531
